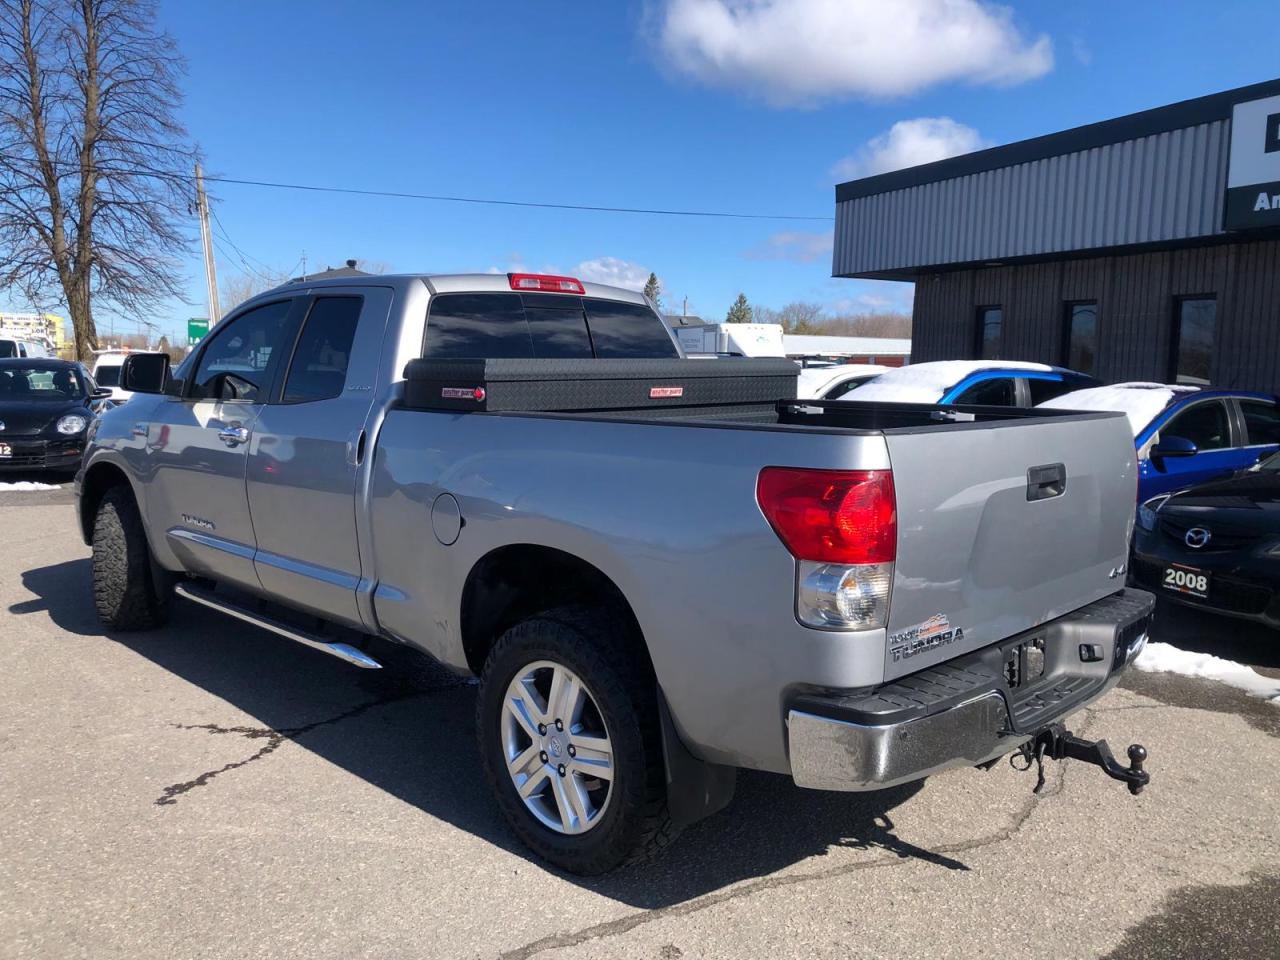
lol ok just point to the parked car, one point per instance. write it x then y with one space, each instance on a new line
19 347
106 373
834 381
1216 545
997 383
46 407
481 468
1186 435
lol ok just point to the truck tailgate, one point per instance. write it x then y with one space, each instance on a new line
990 545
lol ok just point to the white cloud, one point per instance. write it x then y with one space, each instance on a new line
909 143
797 52
613 271
797 246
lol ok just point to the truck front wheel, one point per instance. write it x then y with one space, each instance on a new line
125 590
571 741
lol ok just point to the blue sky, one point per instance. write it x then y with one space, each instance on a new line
668 104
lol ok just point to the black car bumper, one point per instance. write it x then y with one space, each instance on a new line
1243 583
41 454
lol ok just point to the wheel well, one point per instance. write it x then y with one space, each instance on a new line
517 581
99 478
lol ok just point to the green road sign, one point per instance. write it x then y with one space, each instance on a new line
197 327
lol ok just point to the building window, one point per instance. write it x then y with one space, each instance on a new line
990 322
1194 327
1080 337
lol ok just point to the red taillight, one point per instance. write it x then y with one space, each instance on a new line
831 516
545 283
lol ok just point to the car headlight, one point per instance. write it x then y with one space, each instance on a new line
1147 511
72 424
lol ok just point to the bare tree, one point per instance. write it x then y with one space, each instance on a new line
801 317
373 266
893 325
236 288
89 149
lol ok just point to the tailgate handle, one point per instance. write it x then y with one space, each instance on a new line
1044 482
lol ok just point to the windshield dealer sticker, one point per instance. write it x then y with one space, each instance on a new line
923 637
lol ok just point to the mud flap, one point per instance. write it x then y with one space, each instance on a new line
695 789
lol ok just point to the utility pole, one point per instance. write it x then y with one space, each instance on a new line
684 311
206 237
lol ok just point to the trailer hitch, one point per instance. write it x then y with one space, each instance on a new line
1057 743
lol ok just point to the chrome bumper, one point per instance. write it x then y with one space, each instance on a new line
835 753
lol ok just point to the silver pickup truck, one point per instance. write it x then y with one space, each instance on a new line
660 569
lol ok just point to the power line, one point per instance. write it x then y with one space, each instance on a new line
448 198
265 274
514 203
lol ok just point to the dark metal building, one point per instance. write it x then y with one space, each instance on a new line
1141 248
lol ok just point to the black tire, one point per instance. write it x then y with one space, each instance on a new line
635 824
125 591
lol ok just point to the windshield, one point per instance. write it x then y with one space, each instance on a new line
107 376
38 383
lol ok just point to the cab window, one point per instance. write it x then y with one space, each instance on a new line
318 370
235 362
1204 424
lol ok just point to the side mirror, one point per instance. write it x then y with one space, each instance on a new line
1172 447
145 373
102 393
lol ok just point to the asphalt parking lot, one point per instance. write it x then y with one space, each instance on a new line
210 790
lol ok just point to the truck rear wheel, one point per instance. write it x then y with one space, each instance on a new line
571 741
125 590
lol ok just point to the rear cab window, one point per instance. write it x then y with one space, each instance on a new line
626 331
542 326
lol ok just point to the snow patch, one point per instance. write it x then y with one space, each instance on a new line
28 486
1140 402
928 382
1165 658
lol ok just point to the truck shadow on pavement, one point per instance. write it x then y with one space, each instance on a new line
396 728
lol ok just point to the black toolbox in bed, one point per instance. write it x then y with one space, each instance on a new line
588 385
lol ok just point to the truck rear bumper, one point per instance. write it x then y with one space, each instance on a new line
970 710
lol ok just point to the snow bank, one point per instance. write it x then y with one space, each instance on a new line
927 382
1164 658
1140 402
27 486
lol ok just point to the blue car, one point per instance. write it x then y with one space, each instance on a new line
1187 435
996 383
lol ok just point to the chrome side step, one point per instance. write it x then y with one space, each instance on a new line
343 651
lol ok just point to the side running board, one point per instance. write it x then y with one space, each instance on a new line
343 651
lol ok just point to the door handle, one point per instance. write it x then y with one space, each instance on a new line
233 435
1046 481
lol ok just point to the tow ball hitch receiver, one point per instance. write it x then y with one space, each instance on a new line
1057 743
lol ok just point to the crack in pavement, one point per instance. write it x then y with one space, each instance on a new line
903 852
275 738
